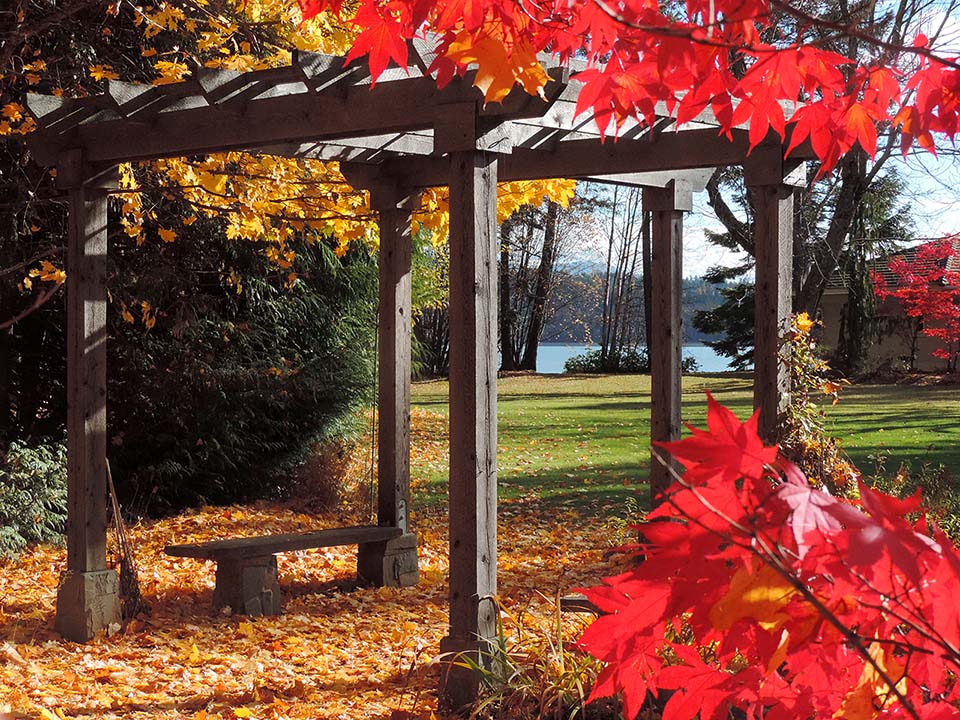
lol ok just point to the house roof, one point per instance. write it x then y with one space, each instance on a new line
840 280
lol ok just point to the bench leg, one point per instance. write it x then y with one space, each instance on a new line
248 586
392 563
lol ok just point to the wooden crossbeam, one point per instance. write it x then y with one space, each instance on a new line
670 152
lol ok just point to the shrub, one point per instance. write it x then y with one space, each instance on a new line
805 439
632 361
230 391
689 365
33 495
635 361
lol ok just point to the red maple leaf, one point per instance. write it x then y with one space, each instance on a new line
382 39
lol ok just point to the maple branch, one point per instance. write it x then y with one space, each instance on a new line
772 560
847 30
41 300
843 30
25 263
23 33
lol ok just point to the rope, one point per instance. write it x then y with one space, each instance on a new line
131 601
373 418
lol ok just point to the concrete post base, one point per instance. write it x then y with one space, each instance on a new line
248 586
87 603
392 563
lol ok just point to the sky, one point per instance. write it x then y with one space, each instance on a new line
932 190
932 183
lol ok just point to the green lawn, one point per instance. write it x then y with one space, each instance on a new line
584 441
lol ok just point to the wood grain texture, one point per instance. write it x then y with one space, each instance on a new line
666 336
473 415
260 545
87 380
395 328
773 238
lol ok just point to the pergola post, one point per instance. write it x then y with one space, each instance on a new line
473 422
88 599
666 206
394 562
771 195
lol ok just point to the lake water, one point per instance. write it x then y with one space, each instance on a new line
552 356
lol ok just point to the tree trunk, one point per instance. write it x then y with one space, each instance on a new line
506 309
541 290
6 397
645 268
605 306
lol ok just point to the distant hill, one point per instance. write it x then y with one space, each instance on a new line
575 313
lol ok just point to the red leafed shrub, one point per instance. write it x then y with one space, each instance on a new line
928 287
758 591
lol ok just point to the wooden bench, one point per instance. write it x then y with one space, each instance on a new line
578 603
247 567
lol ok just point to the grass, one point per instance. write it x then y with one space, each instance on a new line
583 441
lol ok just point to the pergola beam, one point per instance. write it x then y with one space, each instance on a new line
668 153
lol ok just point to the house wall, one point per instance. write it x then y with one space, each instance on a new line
893 346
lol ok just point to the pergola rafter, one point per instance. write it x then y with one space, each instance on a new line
395 137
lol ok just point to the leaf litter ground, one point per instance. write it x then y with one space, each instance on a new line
338 651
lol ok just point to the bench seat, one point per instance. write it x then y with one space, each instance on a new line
247 567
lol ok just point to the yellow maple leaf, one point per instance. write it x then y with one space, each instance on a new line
242 712
49 272
216 184
760 594
871 691
194 654
13 111
803 323
170 72
168 236
103 72
499 65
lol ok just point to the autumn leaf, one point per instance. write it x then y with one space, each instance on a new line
103 72
13 111
381 39
759 593
168 236
48 272
499 66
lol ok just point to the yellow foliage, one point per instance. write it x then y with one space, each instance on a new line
170 72
871 691
760 593
275 200
803 323
103 72
48 272
500 65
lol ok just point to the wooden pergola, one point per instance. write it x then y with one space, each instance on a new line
393 139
